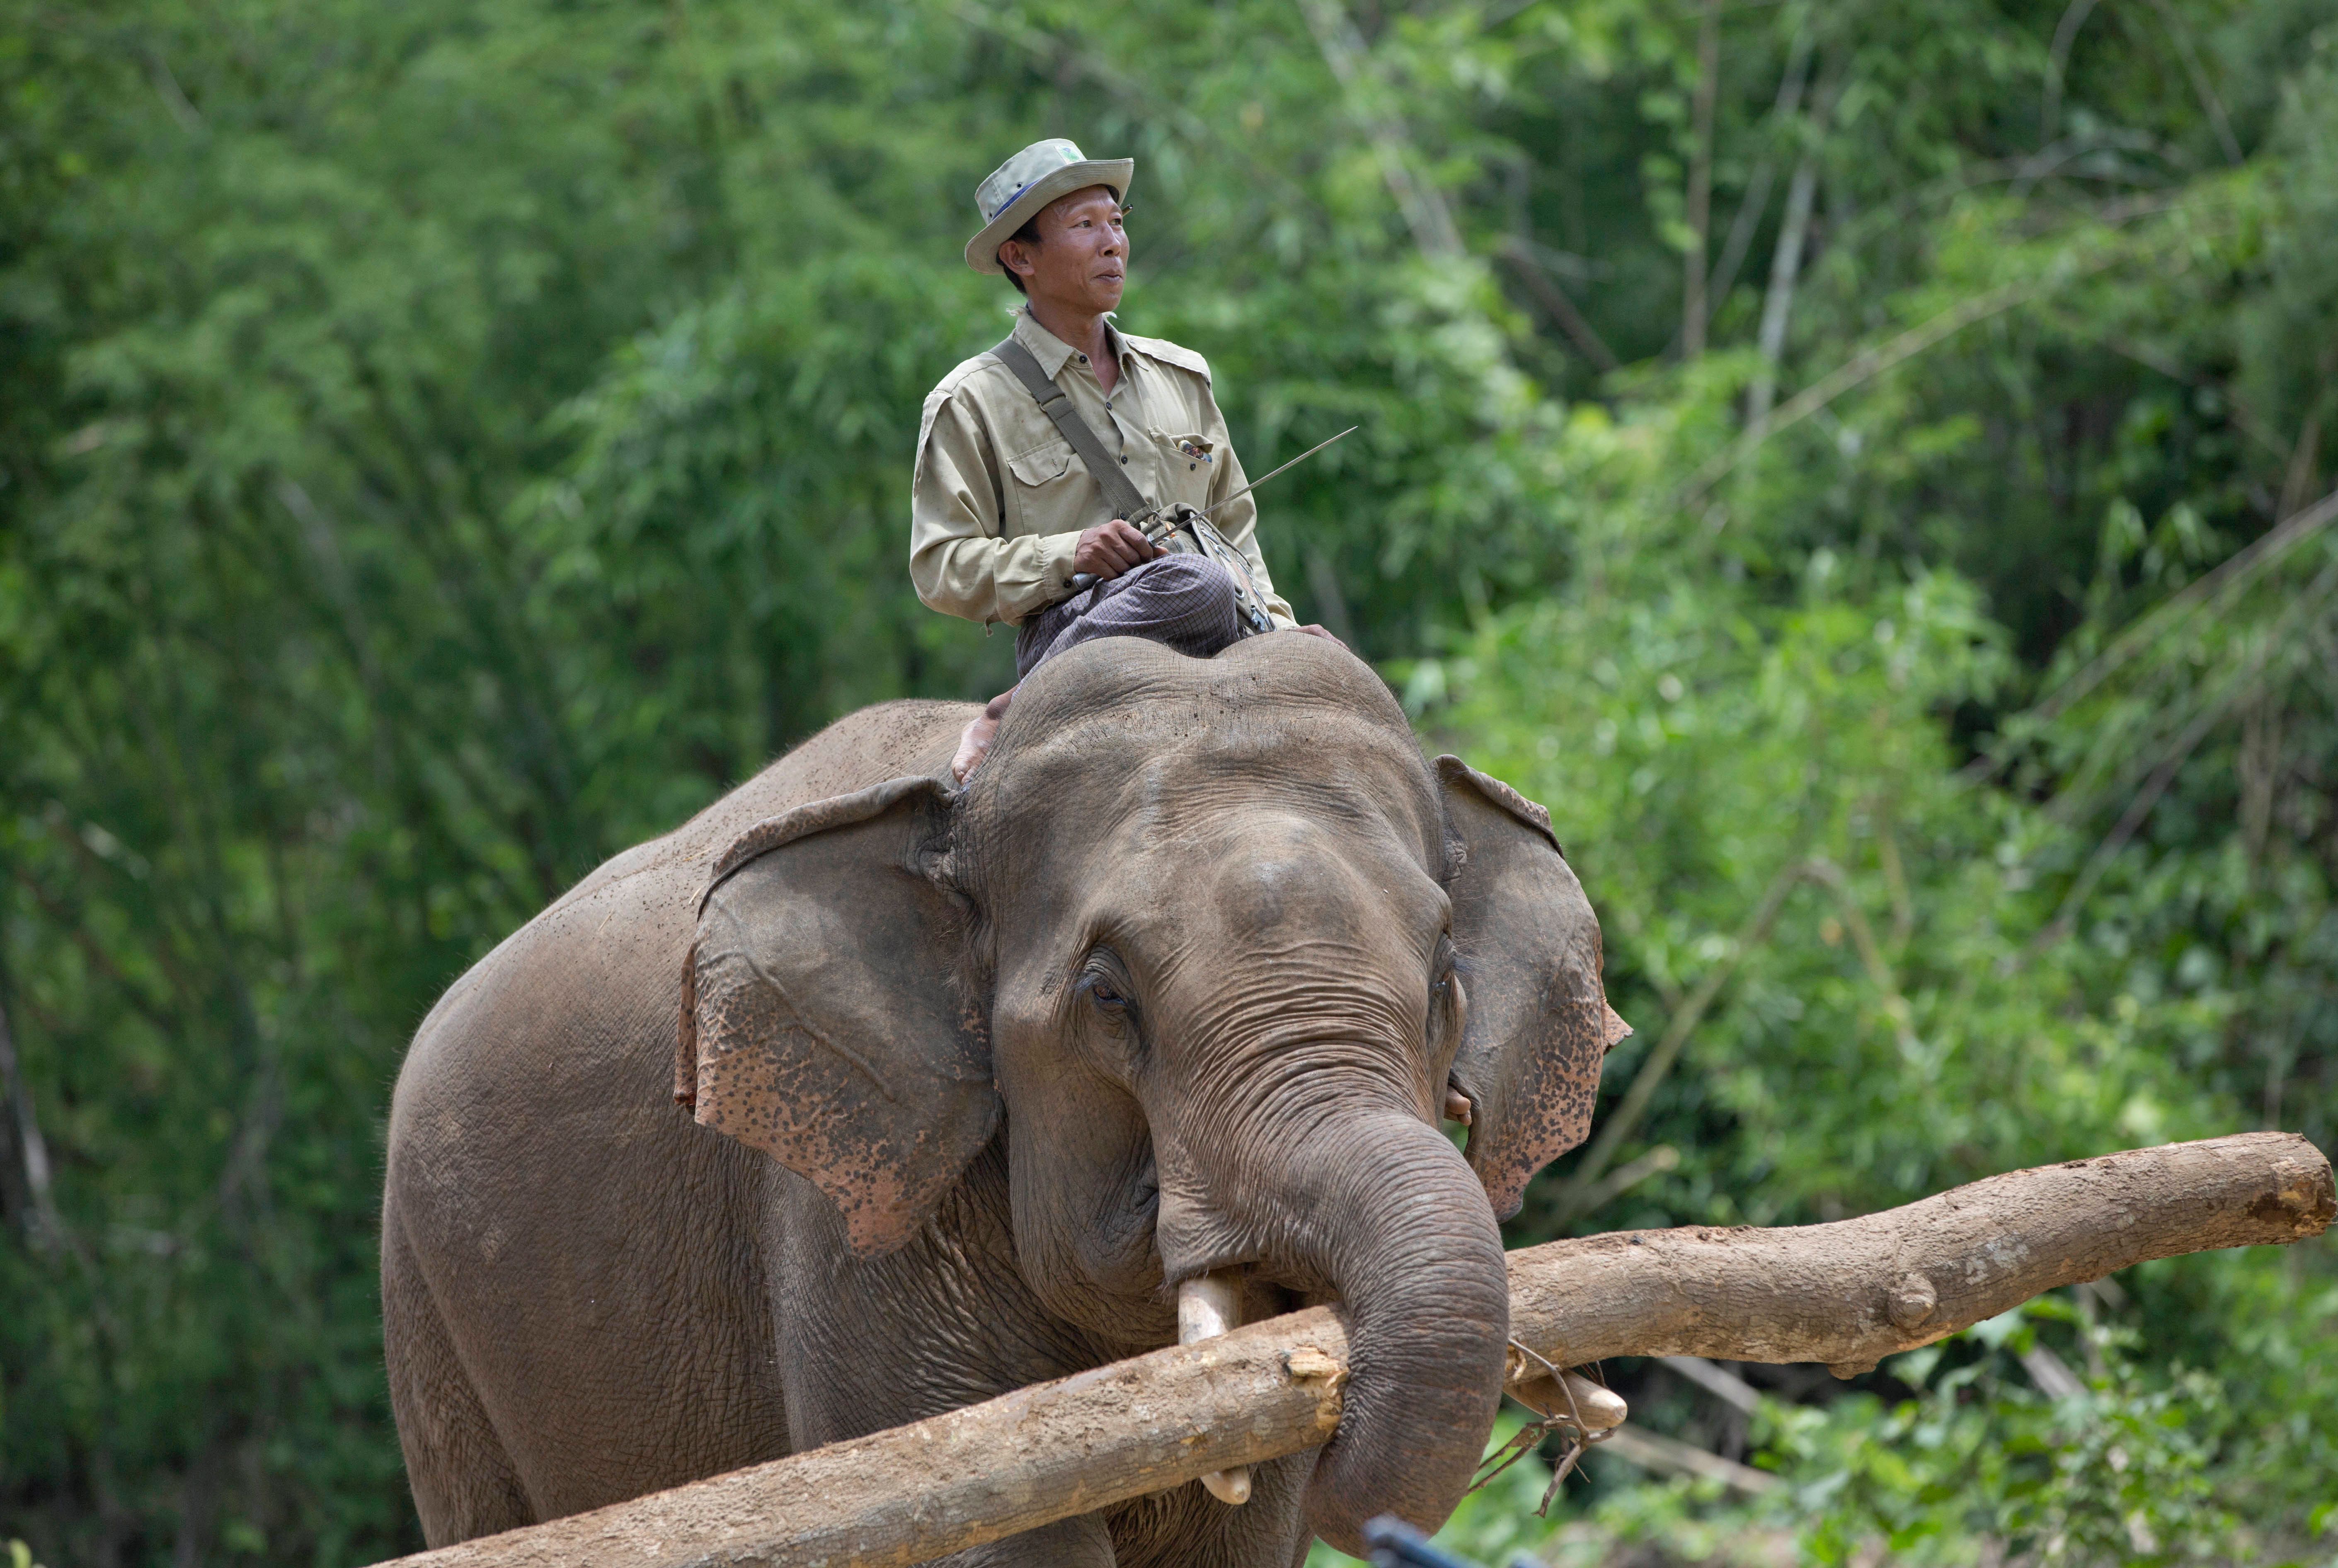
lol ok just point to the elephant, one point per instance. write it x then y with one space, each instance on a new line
1183 982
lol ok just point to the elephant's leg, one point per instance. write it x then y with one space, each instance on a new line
945 1322
949 1320
463 1482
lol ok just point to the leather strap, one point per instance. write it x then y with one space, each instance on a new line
1124 499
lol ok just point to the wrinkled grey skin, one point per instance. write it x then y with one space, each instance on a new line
1178 982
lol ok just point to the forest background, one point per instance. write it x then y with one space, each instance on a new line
1865 465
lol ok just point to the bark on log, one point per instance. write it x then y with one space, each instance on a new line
1846 1294
1852 1292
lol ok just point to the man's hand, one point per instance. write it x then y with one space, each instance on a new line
1109 549
1314 631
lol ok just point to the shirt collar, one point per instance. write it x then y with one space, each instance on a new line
1051 351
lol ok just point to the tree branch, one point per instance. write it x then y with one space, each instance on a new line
2204 90
1757 185
2058 61
1422 205
2232 575
1553 299
1778 298
1863 367
47 1229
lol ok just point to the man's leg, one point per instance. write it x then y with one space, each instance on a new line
1184 602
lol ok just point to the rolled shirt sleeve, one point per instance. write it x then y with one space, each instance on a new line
959 560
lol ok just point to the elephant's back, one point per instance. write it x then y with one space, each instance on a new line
580 1004
595 1252
659 881
864 748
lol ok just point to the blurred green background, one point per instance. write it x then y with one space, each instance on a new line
1863 465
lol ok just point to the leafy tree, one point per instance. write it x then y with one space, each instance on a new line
1863 465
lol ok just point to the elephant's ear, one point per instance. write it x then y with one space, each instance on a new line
1538 1021
820 1016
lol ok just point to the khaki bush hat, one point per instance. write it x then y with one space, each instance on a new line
1027 182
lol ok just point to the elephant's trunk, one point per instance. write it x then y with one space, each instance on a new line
1407 1239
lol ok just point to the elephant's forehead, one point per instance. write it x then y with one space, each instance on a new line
1325 834
1209 781
1132 681
1287 877
1121 751
1125 717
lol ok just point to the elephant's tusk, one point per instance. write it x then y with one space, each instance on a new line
1575 1401
1209 1305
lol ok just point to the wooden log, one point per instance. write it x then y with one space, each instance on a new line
1852 1292
1845 1294
1025 1459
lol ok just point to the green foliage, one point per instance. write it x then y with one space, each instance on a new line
1973 1466
2115 1472
440 445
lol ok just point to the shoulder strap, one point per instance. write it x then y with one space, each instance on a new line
1124 497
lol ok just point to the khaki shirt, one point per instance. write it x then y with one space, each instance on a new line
1000 498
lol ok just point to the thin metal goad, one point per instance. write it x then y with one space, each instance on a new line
1156 528
1279 467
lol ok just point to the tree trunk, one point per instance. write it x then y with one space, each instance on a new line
1845 1294
1778 300
1700 182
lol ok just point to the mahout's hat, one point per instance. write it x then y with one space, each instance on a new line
1027 182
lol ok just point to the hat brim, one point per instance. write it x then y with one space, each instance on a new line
982 250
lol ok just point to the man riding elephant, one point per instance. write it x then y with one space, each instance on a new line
1010 518
986 1078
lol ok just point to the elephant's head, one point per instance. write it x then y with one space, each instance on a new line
1218 948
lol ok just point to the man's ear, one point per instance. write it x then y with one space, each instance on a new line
1538 1021
822 1020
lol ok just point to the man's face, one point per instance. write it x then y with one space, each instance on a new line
1081 262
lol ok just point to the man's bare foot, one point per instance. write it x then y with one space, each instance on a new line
973 745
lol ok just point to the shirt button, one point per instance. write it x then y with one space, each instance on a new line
1084 358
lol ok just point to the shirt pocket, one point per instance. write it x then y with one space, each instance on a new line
1045 497
1189 466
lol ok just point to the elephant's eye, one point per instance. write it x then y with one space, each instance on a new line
1102 980
1104 985
1448 1001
